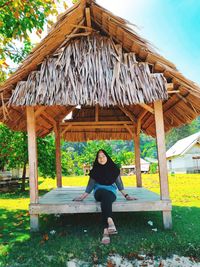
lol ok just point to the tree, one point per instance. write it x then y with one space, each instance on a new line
18 18
13 150
178 133
91 149
46 156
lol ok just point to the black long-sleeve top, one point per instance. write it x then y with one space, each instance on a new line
92 182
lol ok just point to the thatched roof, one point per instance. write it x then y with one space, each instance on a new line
88 71
92 57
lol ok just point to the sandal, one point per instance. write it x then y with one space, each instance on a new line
112 229
105 239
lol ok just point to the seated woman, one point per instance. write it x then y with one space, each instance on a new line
104 180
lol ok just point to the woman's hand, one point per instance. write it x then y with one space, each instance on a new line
80 198
130 197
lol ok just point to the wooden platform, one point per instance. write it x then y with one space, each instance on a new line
59 200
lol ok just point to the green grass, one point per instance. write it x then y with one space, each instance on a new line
79 235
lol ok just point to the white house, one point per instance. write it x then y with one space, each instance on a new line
184 155
130 169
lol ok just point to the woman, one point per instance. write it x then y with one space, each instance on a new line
104 180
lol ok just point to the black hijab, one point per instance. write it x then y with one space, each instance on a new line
104 174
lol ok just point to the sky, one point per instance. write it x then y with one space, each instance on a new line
172 26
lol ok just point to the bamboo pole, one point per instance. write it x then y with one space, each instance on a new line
162 162
58 155
33 173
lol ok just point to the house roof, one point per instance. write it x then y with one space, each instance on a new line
183 145
84 20
142 162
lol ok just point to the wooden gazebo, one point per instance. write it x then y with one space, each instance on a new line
93 65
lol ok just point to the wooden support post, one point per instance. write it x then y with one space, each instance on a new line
136 139
33 173
167 219
58 155
162 162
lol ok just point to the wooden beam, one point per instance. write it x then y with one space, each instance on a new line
88 17
148 108
39 111
96 112
162 162
173 92
79 123
78 34
49 118
33 172
114 126
128 114
142 114
160 138
65 130
66 40
32 153
138 127
82 27
58 155
129 129
170 86
136 139
21 120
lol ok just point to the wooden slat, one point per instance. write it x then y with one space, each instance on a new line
60 201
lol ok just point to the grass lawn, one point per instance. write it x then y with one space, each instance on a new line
68 236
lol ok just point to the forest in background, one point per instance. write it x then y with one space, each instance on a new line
14 150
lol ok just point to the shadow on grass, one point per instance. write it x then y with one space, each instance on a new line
20 194
79 235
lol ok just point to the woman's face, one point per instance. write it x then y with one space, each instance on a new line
102 159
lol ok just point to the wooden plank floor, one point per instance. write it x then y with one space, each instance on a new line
59 200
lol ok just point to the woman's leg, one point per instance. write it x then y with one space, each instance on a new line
105 239
106 198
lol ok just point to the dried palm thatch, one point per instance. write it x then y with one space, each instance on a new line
91 70
86 17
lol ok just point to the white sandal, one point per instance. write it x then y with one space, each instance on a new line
105 239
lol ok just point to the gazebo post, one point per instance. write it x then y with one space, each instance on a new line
58 154
33 172
163 174
136 139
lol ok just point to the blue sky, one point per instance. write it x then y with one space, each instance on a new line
172 26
